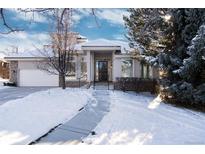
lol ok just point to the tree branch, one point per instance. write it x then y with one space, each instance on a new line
5 23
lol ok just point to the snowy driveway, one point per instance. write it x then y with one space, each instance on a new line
24 120
11 93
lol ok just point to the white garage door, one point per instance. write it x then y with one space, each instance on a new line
36 77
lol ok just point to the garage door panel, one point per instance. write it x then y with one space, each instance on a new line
37 78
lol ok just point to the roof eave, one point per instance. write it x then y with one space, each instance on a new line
101 48
24 58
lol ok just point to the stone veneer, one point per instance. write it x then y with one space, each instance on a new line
13 71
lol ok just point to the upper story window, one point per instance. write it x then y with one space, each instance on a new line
127 68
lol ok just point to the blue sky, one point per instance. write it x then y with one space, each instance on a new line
109 25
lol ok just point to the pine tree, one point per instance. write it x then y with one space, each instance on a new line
182 58
147 29
191 70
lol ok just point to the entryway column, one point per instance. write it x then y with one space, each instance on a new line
78 66
88 66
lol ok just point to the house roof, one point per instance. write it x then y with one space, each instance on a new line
97 45
2 56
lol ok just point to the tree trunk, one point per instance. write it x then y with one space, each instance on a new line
62 81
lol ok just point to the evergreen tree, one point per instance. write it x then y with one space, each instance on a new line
182 58
147 29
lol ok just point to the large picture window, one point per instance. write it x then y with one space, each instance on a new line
127 68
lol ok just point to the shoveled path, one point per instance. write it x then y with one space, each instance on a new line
82 124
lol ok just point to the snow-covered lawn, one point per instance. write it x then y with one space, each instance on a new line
141 119
24 120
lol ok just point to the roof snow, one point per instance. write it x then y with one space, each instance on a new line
108 43
94 43
2 55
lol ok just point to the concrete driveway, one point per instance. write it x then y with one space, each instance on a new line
11 93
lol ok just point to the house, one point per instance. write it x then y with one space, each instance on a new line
99 60
4 67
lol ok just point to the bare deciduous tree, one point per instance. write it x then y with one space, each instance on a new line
6 28
60 52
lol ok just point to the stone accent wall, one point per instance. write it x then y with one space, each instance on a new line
4 70
13 71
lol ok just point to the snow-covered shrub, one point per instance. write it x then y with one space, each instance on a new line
183 92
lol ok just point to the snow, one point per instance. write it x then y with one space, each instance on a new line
94 43
24 120
105 42
150 59
142 119
176 71
2 81
2 55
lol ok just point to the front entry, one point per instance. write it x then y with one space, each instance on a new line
102 70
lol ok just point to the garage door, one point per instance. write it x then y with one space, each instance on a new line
37 78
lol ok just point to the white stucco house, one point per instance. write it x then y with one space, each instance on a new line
97 60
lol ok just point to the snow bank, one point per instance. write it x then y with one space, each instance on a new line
24 120
142 119
2 81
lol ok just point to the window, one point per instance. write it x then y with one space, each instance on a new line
71 72
146 71
127 68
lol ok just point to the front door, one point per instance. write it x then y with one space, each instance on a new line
102 70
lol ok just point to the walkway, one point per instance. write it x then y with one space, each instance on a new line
82 124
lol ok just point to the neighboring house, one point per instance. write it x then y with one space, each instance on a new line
98 60
4 67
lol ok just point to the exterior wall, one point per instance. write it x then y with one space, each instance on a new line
13 71
116 68
136 68
25 72
27 65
